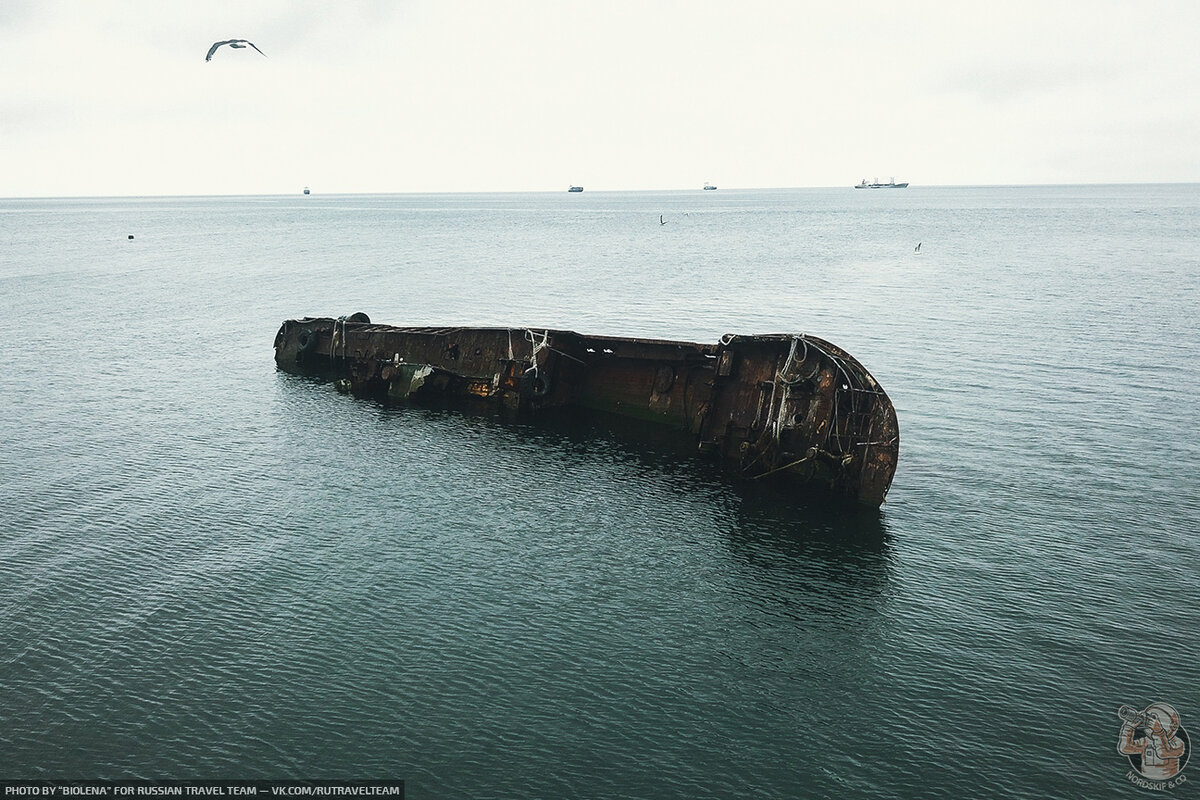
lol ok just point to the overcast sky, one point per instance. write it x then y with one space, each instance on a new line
115 97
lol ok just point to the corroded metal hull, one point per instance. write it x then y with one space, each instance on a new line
788 409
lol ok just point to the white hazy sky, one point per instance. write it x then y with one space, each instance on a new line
102 97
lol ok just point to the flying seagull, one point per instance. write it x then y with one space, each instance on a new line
235 43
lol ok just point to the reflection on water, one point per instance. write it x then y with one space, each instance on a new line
597 456
588 562
845 545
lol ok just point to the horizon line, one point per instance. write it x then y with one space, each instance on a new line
593 191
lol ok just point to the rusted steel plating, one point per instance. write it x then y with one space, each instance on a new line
782 408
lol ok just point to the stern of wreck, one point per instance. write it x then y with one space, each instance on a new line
797 409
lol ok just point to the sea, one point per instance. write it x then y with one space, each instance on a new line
212 569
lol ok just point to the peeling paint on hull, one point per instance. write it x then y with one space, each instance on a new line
792 410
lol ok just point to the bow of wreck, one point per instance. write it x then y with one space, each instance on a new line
788 409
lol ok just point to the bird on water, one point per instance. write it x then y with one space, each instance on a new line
234 43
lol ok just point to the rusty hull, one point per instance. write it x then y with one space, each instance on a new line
781 408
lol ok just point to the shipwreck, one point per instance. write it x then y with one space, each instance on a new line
788 409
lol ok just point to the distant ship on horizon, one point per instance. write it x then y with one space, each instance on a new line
891 184
575 189
708 187
306 190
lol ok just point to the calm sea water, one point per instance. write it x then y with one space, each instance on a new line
212 569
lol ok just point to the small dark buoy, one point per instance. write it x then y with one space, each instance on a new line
131 236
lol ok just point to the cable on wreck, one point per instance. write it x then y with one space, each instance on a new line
774 421
854 410
532 338
809 455
338 337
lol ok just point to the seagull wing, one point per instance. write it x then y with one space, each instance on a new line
213 49
252 44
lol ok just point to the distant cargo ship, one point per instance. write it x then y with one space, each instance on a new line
891 184
708 187
575 189
306 190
